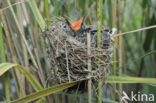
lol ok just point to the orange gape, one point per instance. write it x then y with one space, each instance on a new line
76 25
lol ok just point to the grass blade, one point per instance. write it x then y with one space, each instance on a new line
108 101
37 14
115 79
4 67
44 92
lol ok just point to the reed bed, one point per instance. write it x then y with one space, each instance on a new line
42 59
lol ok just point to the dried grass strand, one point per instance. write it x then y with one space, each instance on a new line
13 5
141 29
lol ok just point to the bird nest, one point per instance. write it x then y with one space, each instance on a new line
69 57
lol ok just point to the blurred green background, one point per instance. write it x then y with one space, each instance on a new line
134 53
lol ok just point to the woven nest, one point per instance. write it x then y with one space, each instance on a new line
68 55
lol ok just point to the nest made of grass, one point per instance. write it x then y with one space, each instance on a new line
68 56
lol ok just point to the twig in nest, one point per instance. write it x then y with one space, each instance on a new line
67 62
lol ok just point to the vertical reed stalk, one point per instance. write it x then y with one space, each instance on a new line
110 13
89 69
46 10
24 39
41 22
110 23
87 12
99 23
120 45
24 51
16 73
21 33
115 42
6 75
12 53
2 43
115 39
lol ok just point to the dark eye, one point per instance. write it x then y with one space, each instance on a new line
64 26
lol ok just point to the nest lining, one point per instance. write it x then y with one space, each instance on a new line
69 56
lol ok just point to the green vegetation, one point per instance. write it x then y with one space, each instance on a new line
22 48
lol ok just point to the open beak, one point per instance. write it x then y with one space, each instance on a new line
76 25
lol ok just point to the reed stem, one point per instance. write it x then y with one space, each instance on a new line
99 17
6 76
